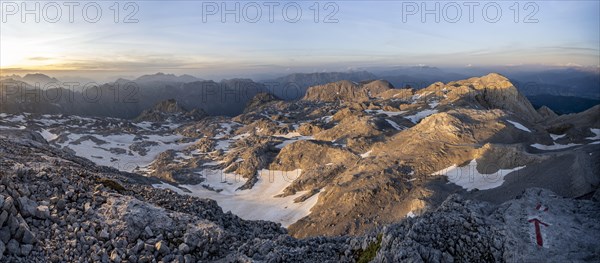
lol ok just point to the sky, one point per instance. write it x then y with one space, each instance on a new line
191 37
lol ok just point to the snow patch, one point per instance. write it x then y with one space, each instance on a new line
213 163
415 97
394 124
129 161
469 178
20 127
365 155
258 203
15 118
434 104
241 136
420 115
146 125
388 113
289 135
596 132
287 142
223 145
519 126
48 136
292 137
226 130
554 146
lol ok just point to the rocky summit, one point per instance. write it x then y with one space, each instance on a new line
353 171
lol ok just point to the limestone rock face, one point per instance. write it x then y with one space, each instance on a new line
308 129
377 87
307 154
338 91
259 100
351 127
348 91
498 92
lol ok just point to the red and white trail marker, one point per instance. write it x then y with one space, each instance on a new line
536 222
538 230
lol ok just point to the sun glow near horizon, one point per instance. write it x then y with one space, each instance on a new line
30 54
364 34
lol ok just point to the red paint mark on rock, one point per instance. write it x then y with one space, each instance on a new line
540 207
538 230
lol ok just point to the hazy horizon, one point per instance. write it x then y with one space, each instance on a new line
106 77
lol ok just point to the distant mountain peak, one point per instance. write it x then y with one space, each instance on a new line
162 77
32 75
346 90
495 77
169 110
547 112
259 100
497 91
35 78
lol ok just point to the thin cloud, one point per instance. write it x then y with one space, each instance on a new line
39 58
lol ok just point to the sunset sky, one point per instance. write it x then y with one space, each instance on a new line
172 37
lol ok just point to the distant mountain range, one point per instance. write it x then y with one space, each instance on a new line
557 82
161 77
35 79
127 99
562 104
562 90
